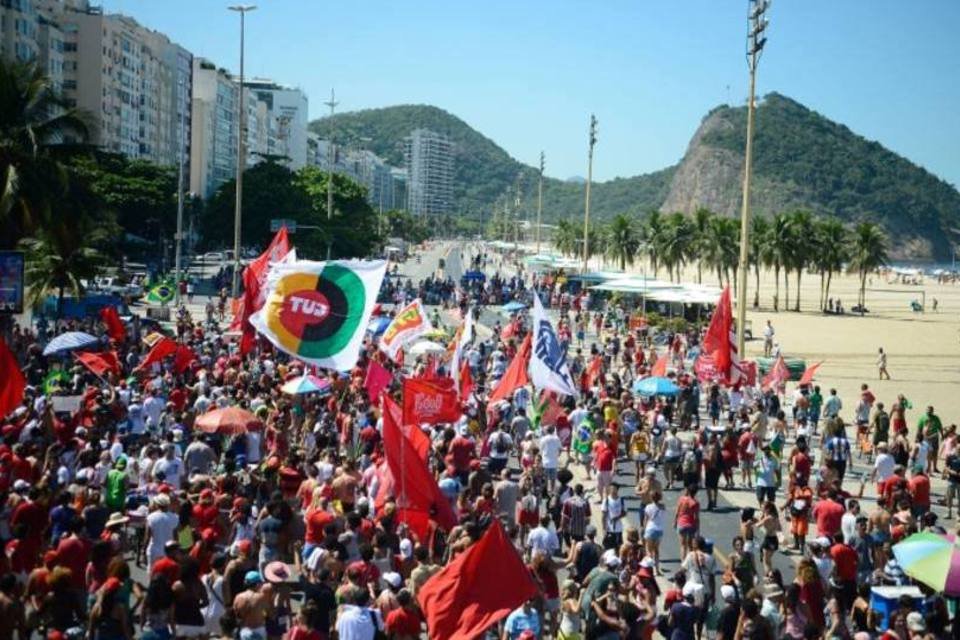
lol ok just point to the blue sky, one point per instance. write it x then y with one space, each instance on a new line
528 74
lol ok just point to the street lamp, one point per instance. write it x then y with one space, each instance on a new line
242 9
540 200
181 88
586 207
331 157
755 42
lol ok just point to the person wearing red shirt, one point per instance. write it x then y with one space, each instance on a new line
405 622
845 561
919 487
604 457
894 487
73 553
316 521
206 514
203 550
168 566
21 467
178 398
33 517
462 451
829 515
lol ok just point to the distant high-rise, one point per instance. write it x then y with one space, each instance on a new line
214 134
429 163
284 117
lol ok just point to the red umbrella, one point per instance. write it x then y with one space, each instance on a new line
228 422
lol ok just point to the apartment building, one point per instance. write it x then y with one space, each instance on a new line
429 162
214 134
284 121
28 34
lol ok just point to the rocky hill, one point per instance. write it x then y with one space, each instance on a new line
802 161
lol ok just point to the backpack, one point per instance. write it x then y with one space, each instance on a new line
690 462
500 443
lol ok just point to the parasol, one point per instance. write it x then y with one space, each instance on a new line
932 559
306 384
69 341
228 422
513 306
426 347
655 386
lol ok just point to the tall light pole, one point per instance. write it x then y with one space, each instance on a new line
586 207
179 239
540 200
242 9
331 157
755 41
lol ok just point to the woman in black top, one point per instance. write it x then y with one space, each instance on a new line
189 600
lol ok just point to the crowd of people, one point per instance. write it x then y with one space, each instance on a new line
121 519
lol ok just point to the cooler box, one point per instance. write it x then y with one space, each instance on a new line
886 600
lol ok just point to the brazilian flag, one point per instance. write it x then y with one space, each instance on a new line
162 293
55 381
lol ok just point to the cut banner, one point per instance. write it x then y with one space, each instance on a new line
410 323
548 361
318 311
429 401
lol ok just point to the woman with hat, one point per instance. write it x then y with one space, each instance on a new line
113 531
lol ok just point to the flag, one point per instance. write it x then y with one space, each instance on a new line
460 342
99 363
410 323
660 367
465 385
778 374
594 371
719 342
182 358
429 401
515 376
477 589
161 349
254 284
548 361
546 409
808 373
115 328
318 311
511 329
12 382
162 293
412 432
418 497
376 380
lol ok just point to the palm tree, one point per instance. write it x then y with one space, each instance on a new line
802 236
701 229
652 232
869 252
676 243
831 252
34 120
622 240
760 254
566 238
779 243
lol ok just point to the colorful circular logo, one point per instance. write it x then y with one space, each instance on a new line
316 315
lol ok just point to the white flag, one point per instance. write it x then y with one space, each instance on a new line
548 362
466 335
410 323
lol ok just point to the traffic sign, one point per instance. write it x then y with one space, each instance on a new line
277 223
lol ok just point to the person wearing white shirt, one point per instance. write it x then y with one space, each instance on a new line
358 621
170 466
542 539
884 464
550 448
848 523
153 406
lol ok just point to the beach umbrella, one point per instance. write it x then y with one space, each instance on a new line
306 384
427 347
378 325
437 333
655 386
514 306
228 422
932 559
69 341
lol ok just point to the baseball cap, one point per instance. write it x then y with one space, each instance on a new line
393 579
915 621
728 592
610 559
20 486
252 578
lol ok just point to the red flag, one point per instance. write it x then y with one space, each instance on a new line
466 380
477 589
12 382
516 374
511 329
808 374
254 279
413 433
182 358
418 496
99 363
430 370
659 367
376 380
778 374
164 347
716 342
594 370
115 328
429 401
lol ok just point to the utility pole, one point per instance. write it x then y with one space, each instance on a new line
586 208
516 215
242 9
179 238
755 40
331 156
539 201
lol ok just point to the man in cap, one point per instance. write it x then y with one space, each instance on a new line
729 614
241 563
161 525
169 565
253 606
599 580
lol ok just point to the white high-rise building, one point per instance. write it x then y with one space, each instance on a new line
214 132
285 124
429 164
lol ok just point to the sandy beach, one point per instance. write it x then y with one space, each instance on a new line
923 348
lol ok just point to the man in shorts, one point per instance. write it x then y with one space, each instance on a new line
252 607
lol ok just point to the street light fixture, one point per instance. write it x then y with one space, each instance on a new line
242 9
755 43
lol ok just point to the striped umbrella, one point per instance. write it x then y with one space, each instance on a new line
307 384
932 559
69 341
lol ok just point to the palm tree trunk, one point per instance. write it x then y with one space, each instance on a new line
786 289
756 293
863 291
826 292
799 273
776 294
699 272
59 302
719 277
822 279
